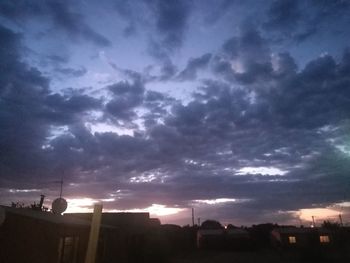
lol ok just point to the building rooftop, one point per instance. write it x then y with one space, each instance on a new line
116 219
46 216
301 230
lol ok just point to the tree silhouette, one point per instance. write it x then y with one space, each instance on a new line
330 225
211 224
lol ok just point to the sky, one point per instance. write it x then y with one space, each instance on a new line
238 109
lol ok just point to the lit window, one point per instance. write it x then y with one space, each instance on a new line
324 239
292 240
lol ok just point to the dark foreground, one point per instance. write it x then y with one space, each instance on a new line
261 256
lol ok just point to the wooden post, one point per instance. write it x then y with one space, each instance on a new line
94 233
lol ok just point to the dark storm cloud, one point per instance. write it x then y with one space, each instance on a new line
283 14
260 109
171 20
310 98
58 59
22 92
252 193
257 133
317 96
301 20
223 67
286 65
127 96
74 24
28 110
61 14
221 114
331 8
168 70
125 10
72 72
209 181
156 102
65 109
212 13
166 22
193 65
245 58
131 94
167 67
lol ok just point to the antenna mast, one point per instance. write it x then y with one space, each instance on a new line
61 189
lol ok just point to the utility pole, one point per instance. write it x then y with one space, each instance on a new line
341 220
192 216
300 222
313 221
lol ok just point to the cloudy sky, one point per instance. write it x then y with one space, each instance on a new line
239 109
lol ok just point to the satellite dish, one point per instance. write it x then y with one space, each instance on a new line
2 215
59 205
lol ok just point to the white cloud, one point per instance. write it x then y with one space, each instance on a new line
267 171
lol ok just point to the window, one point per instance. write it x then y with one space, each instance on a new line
324 239
68 248
292 239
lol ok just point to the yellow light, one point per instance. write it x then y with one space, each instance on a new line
324 239
292 239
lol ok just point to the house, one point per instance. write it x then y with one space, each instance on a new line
290 237
137 238
238 239
210 238
28 235
133 226
124 219
211 235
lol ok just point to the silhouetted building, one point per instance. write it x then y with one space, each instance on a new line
133 220
138 234
302 237
238 239
210 238
29 235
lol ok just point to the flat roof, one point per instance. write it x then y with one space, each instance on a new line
301 230
46 216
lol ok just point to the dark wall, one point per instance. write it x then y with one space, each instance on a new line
118 219
25 239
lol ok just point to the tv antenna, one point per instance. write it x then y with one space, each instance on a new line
61 188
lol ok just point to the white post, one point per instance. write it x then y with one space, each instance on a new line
94 232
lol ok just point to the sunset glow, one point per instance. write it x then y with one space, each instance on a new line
320 214
80 205
85 205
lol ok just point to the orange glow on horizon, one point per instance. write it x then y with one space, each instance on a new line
320 214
